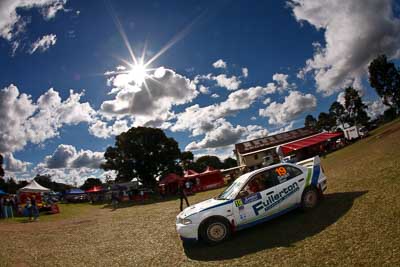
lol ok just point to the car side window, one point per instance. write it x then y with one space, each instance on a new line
260 182
286 172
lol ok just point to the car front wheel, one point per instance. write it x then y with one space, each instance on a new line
215 231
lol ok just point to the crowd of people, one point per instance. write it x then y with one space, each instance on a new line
10 207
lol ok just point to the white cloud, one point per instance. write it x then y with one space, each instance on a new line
376 108
152 101
225 134
204 90
245 72
230 83
24 121
219 64
355 33
43 43
282 83
102 130
215 95
12 164
295 104
205 116
12 23
66 156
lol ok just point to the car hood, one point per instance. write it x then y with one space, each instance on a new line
210 203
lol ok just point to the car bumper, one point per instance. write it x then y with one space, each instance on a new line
188 232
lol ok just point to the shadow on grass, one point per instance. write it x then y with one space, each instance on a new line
280 232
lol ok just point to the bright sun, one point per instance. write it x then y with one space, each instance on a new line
138 73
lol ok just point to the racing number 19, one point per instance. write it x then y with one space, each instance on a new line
280 171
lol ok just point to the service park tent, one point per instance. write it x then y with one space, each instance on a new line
34 187
209 179
96 189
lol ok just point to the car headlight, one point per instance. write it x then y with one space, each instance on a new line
184 221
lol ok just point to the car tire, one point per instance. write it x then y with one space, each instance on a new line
310 198
215 231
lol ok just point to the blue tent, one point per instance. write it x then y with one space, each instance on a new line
75 191
2 192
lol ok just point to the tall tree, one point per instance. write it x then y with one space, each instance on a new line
212 161
355 107
144 153
338 113
310 122
186 159
325 122
385 78
229 163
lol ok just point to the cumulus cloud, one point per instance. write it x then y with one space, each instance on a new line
376 108
355 33
230 83
282 82
205 116
101 128
295 104
12 24
66 156
151 101
12 164
43 43
24 120
219 64
215 95
225 134
204 90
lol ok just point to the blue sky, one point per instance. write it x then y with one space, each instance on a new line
235 70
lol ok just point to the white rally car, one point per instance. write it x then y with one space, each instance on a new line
253 198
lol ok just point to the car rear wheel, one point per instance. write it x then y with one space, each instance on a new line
309 199
215 231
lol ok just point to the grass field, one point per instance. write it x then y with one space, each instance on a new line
356 224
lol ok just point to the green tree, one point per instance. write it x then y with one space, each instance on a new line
229 163
355 107
186 159
338 113
144 153
385 78
310 122
212 161
44 180
90 182
325 122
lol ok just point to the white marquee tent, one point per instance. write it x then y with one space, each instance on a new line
34 187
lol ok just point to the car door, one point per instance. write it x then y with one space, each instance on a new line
291 183
253 206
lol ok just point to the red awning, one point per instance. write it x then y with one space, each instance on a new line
309 141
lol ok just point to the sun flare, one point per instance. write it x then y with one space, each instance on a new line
138 74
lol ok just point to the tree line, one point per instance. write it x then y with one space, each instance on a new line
384 77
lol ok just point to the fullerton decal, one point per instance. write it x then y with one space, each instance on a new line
273 200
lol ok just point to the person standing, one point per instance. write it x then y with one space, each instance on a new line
35 210
114 200
182 195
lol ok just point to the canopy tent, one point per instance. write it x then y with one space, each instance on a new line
75 191
190 173
307 142
34 187
170 178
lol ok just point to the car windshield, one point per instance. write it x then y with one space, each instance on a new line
233 189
